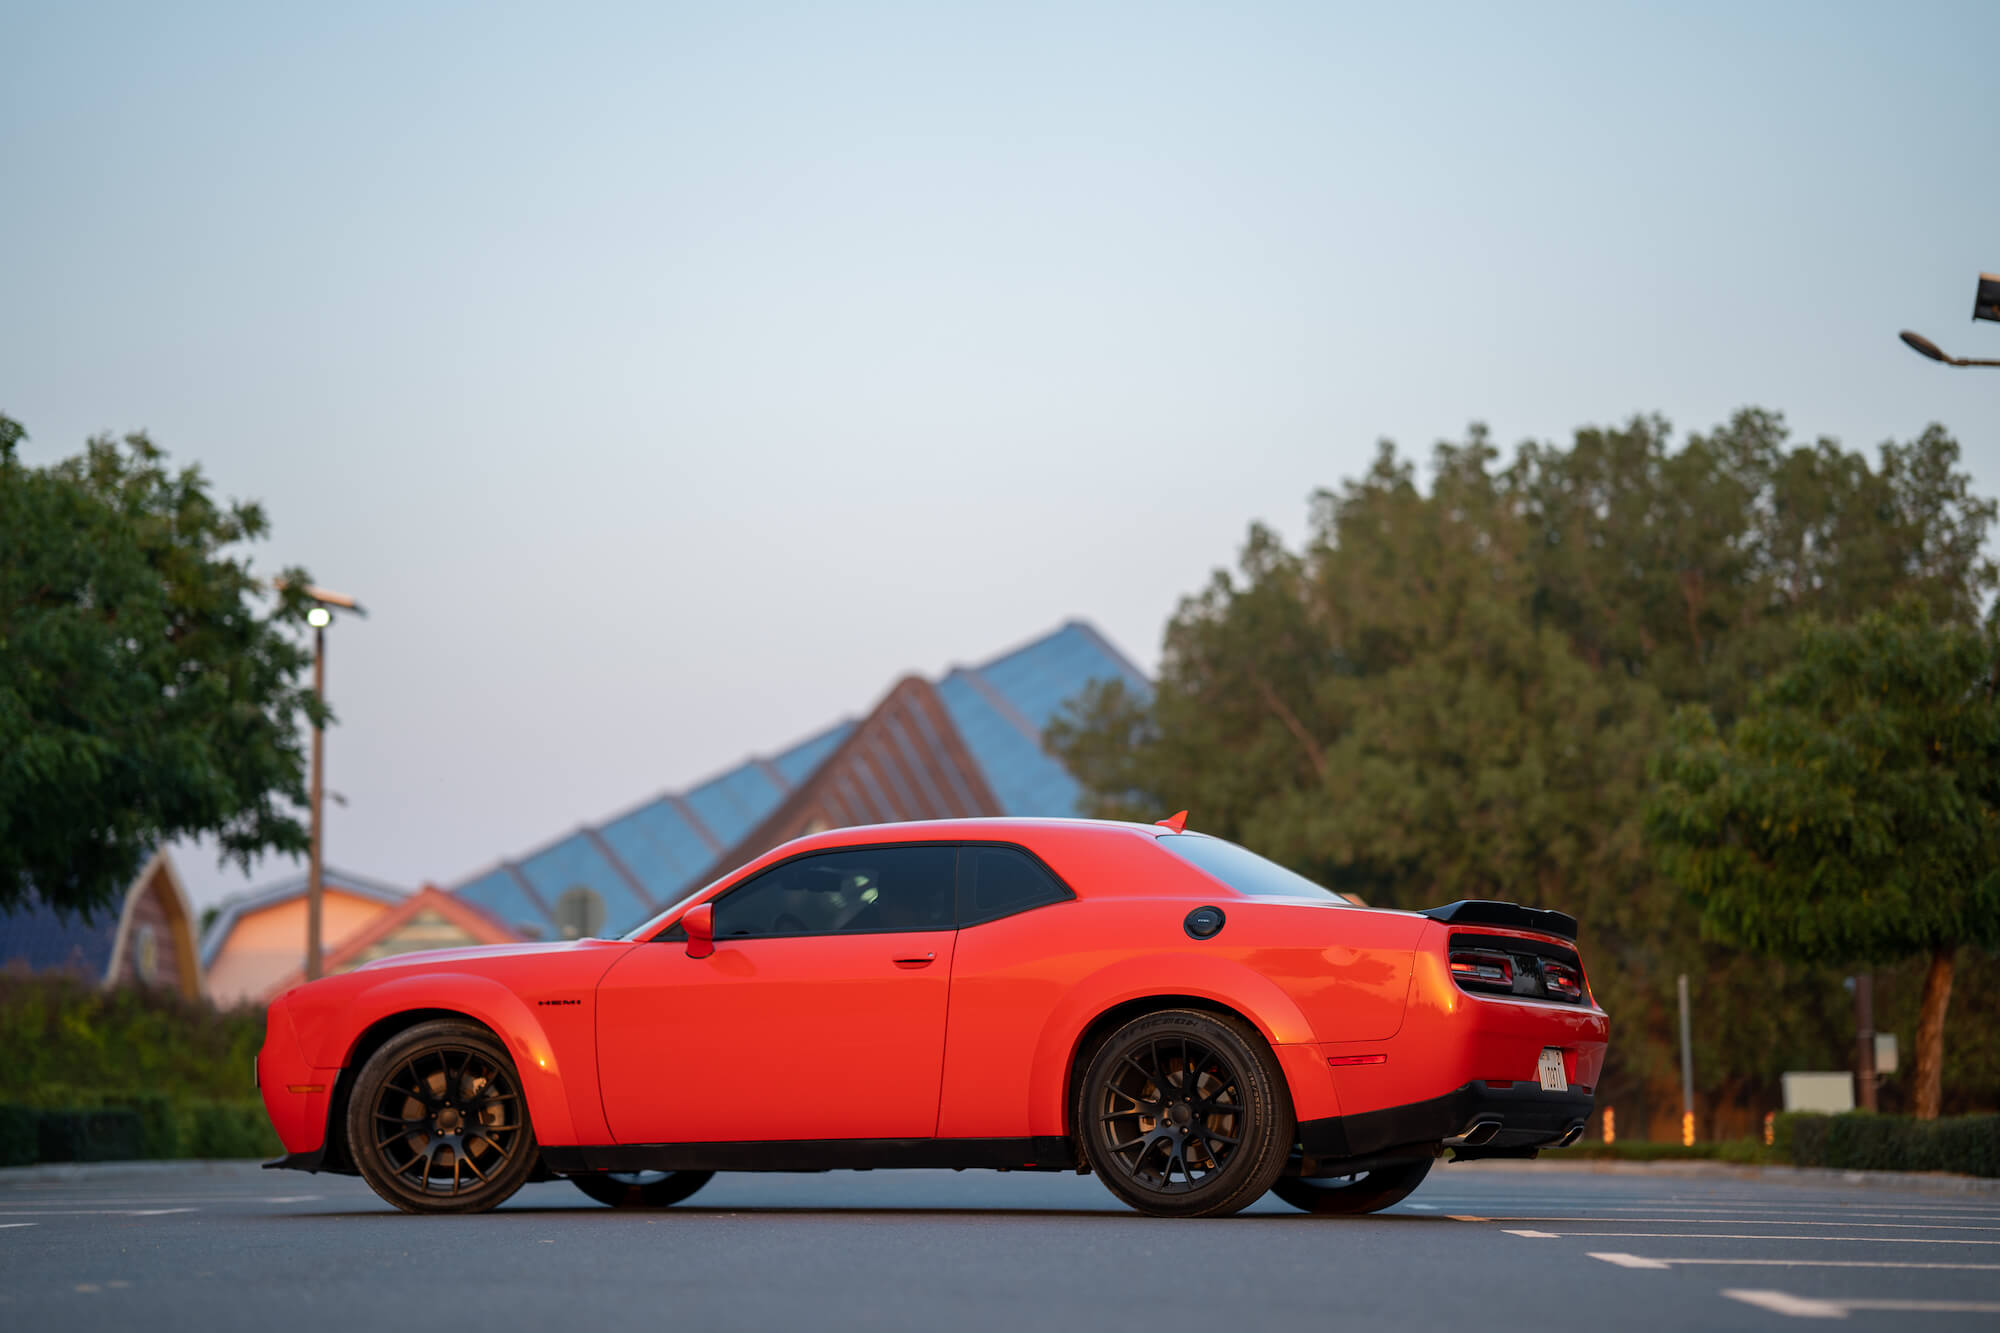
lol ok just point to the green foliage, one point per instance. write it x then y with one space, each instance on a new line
93 1075
228 1129
1854 812
1453 690
97 1134
120 1128
143 694
1859 1141
71 1044
20 1135
1742 1152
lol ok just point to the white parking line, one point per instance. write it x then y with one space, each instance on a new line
99 1212
1812 1307
1713 1235
1752 1222
1700 1214
5 1225
1640 1261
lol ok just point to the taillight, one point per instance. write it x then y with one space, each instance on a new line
1561 981
1484 969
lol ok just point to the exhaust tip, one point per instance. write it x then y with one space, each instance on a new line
1476 1133
1570 1135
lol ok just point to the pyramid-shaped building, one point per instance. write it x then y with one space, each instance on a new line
967 744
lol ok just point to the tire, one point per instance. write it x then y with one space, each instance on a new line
1173 1147
1351 1196
641 1189
455 1093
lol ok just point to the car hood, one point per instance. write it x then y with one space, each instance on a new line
480 952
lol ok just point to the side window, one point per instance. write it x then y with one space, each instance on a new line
1000 881
853 891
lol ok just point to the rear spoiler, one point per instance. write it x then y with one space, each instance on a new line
1479 913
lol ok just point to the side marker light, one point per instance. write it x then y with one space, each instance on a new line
305 1087
1339 1060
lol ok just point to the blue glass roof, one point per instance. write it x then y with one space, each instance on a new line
1025 778
1039 678
503 899
576 862
734 803
660 847
798 763
666 844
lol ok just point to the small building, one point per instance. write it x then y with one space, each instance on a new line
258 939
147 940
428 919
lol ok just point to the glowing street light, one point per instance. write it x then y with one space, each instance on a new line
319 616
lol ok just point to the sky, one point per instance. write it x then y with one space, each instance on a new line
668 380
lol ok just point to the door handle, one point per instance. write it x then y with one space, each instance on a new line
925 961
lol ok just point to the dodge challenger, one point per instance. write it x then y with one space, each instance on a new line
1194 1024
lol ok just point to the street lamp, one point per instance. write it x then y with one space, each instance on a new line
1985 305
319 616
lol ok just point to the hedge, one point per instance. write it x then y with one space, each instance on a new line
144 1127
1863 1141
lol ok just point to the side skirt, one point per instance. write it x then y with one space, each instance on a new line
1035 1154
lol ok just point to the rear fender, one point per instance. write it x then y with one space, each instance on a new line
1219 980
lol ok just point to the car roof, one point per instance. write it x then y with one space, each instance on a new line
995 829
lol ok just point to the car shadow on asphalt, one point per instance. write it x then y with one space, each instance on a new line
628 1215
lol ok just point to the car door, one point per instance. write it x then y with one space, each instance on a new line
820 1015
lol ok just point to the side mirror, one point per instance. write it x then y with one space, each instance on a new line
699 923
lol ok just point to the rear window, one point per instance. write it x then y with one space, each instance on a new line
1243 870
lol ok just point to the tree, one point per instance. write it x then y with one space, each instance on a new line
143 694
1454 687
1853 814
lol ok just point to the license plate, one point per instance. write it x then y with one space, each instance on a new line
1551 1071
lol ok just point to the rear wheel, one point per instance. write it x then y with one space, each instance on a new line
1350 1196
641 1189
1185 1114
437 1122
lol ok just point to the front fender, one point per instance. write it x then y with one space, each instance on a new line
330 1044
1219 979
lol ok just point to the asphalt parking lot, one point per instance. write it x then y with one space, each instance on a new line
217 1246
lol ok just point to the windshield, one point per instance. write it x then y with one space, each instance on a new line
1243 870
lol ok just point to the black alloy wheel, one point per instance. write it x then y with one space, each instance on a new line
1184 1113
641 1189
437 1122
1351 1196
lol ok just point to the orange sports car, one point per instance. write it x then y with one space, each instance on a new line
1186 1019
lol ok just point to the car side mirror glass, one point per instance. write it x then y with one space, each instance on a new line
699 923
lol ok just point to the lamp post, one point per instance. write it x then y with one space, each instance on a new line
325 603
1985 305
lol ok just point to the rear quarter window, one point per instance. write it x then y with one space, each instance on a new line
1243 870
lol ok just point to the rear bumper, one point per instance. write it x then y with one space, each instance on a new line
1523 1115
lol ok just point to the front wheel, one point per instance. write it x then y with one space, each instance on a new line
641 1189
1185 1113
1351 1196
437 1122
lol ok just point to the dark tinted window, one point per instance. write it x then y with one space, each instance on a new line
853 891
1000 881
1243 870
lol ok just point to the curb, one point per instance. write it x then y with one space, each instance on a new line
59 1171
1929 1182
